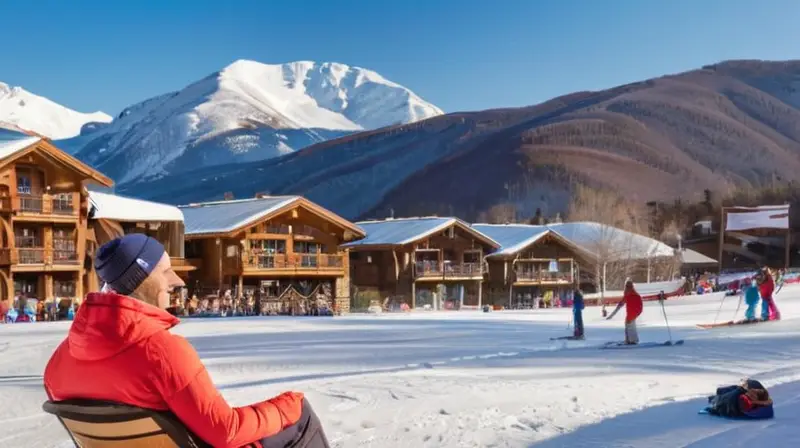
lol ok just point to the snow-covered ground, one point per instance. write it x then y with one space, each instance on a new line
469 379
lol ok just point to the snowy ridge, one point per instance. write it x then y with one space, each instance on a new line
246 112
24 110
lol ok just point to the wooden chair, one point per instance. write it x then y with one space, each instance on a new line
95 424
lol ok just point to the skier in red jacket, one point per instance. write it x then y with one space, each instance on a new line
119 349
769 311
633 308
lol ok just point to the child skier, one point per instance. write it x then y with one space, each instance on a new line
577 313
751 298
768 309
633 308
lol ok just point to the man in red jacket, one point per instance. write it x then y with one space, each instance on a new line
633 308
119 349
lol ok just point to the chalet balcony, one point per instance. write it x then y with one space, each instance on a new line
185 264
448 270
36 256
543 277
307 263
30 204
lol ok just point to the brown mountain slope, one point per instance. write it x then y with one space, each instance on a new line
731 124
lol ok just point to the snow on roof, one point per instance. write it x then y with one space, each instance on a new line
125 209
227 216
11 142
689 256
617 244
400 231
591 237
512 237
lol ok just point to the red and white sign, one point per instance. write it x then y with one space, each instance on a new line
764 217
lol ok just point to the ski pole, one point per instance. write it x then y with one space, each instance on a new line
738 307
664 310
721 302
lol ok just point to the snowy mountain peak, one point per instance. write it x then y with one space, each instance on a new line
22 109
247 111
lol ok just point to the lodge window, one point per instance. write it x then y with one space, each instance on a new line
304 247
23 184
27 237
269 247
64 288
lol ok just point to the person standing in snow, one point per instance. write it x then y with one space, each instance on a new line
120 339
633 308
751 298
577 313
768 309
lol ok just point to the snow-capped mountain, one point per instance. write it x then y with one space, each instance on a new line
246 112
24 110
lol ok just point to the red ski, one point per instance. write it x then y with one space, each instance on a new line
729 323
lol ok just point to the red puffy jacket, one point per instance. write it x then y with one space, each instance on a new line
767 287
119 349
633 305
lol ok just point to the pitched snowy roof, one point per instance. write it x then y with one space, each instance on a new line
689 256
512 237
401 231
125 209
591 237
12 142
610 242
227 216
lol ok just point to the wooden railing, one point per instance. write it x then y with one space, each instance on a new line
183 263
423 269
44 204
41 255
543 276
304 262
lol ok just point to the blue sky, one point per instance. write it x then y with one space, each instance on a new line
458 54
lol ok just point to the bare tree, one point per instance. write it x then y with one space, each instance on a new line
614 225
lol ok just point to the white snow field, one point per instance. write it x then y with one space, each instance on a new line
471 379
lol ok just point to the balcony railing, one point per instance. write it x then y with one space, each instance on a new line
184 264
41 255
303 262
543 276
63 205
436 269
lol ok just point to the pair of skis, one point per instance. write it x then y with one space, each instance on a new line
623 345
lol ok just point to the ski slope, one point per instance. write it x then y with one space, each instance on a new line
471 379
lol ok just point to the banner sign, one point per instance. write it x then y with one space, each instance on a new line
766 217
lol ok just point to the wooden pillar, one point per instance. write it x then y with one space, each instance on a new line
788 248
413 294
48 288
480 292
79 283
721 238
240 287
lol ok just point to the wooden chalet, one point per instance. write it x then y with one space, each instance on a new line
112 216
43 219
283 250
428 262
534 263
550 261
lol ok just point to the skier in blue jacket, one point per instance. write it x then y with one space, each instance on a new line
577 313
752 299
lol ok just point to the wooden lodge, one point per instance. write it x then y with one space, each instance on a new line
432 263
534 263
546 263
283 251
43 219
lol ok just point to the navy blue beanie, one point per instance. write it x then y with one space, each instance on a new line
124 263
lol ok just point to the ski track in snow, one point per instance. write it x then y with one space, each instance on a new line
472 379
